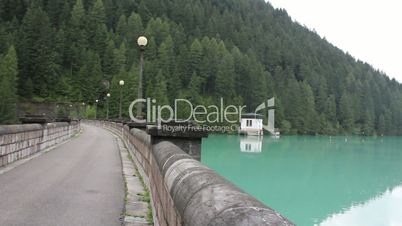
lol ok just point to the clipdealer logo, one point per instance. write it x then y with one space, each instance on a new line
200 114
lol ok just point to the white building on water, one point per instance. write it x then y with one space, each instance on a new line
251 124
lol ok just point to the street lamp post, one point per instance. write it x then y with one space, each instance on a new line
69 110
107 105
142 42
83 110
96 108
121 83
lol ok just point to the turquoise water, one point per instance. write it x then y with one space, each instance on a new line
315 180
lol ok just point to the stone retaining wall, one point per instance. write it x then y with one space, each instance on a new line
20 141
185 192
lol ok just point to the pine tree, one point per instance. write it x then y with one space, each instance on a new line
195 56
381 127
90 77
8 87
160 89
346 113
166 60
130 89
77 36
115 90
224 81
166 56
121 28
119 58
158 29
108 60
36 53
195 88
97 13
330 109
97 31
135 27
311 122
54 9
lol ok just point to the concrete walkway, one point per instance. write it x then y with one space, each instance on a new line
137 207
77 183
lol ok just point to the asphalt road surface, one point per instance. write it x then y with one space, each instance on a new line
78 183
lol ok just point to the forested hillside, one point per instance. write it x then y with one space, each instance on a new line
242 50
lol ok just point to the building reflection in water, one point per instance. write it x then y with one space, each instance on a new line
251 144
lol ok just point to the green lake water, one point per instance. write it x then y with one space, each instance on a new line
315 180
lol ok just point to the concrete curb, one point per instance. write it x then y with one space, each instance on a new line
135 209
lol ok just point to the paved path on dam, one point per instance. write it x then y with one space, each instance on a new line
77 183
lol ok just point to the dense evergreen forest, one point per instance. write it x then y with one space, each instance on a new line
242 50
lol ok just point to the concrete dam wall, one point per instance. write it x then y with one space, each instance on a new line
21 141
